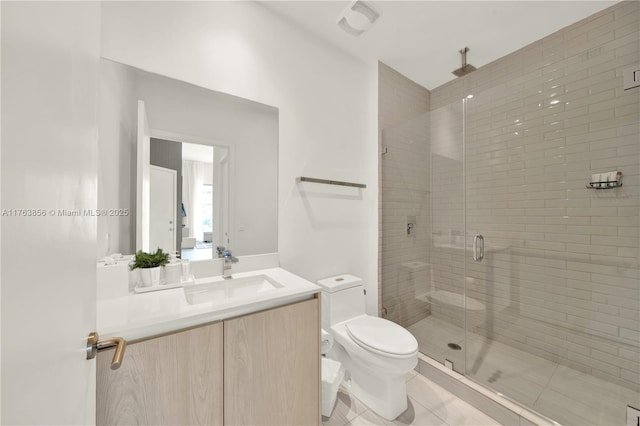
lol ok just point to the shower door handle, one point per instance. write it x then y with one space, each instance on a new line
478 255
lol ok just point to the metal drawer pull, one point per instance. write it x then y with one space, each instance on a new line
478 256
94 344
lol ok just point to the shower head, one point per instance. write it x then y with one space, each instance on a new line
465 68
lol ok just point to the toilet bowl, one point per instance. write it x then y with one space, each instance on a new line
375 352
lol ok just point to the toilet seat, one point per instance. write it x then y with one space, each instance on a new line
382 337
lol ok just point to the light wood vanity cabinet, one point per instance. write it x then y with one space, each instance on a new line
261 368
272 367
174 379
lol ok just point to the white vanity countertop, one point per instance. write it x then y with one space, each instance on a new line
140 316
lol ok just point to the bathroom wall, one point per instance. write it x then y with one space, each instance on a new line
327 113
561 277
50 53
404 179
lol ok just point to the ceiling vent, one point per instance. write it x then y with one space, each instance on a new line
358 17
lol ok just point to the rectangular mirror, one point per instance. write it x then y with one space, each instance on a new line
194 168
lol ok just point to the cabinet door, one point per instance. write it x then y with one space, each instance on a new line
272 367
173 379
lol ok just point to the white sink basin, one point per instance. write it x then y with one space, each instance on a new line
234 288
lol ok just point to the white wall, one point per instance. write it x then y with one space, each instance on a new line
327 115
50 53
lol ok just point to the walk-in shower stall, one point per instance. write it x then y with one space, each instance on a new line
508 249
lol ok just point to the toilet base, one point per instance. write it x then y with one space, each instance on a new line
383 393
387 398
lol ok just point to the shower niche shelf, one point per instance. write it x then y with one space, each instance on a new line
604 185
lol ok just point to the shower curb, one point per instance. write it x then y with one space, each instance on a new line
494 405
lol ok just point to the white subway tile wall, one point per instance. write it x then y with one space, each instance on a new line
561 277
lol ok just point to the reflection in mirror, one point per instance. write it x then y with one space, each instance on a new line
186 184
156 135
197 201
205 177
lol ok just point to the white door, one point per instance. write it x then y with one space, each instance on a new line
162 209
142 185
221 200
50 54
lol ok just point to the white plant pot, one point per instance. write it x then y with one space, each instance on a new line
150 276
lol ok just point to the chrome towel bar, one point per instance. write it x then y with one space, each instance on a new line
330 182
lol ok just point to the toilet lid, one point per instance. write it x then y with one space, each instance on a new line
382 336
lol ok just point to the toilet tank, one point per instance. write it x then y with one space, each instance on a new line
342 299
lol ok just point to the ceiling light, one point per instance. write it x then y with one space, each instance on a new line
358 17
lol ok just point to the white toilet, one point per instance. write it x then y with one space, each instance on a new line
375 352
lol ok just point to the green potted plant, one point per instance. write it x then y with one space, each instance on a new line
149 265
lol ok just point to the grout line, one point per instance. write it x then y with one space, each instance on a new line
545 387
415 401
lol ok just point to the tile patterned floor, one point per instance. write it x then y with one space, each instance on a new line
568 396
428 405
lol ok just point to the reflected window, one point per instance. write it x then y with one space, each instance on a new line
206 191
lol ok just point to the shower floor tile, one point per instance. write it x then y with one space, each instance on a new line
434 335
566 395
509 371
573 395
568 411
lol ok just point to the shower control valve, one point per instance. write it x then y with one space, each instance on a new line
411 225
409 228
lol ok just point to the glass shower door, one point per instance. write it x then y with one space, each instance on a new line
445 340
497 200
422 218
552 267
406 223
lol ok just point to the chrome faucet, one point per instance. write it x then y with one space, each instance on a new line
229 260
